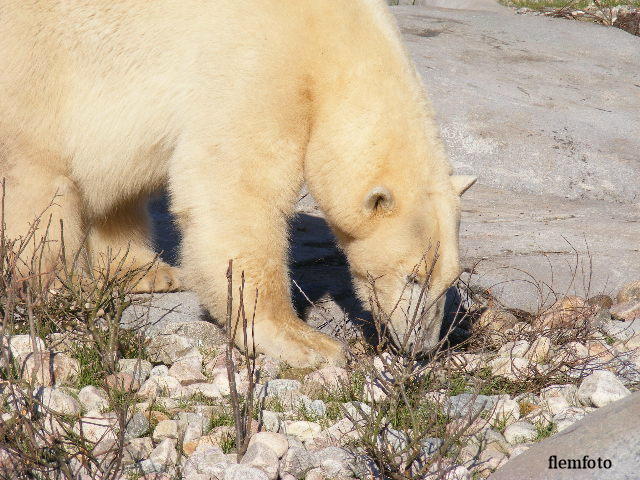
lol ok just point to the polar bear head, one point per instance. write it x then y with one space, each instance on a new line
406 256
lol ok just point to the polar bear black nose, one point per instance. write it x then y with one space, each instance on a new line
413 279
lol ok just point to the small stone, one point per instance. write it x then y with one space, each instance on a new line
568 392
520 432
374 392
122 382
505 410
340 433
56 400
539 350
47 368
207 390
336 462
518 348
568 417
458 473
469 362
313 474
22 345
332 378
302 430
221 381
165 453
514 368
93 398
566 313
137 426
165 429
276 441
467 404
496 320
262 457
158 385
271 421
97 427
167 349
601 388
278 387
626 311
490 459
186 373
210 461
297 462
136 367
622 331
244 472
629 292
601 301
136 450
556 405
191 426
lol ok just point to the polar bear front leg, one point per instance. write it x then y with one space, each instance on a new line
122 236
222 218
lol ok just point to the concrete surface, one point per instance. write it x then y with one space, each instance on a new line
611 432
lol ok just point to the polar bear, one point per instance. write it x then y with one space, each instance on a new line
231 105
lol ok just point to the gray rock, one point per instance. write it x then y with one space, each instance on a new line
136 450
297 461
191 425
520 432
271 421
568 417
611 432
278 387
519 66
262 457
138 368
209 461
601 388
431 445
165 429
167 349
244 472
57 401
275 441
165 453
93 398
622 330
338 462
137 426
468 404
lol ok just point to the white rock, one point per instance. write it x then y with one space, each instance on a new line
302 430
158 385
262 457
93 398
136 450
568 392
167 349
165 453
221 381
568 417
601 388
276 441
539 349
458 473
374 392
244 472
505 409
187 373
271 421
518 348
48 368
207 390
22 345
555 404
518 449
520 432
165 429
57 401
97 427
511 368
159 371
297 461
191 426
138 368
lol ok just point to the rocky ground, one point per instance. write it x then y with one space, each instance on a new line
517 380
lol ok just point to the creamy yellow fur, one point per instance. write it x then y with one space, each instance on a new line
232 104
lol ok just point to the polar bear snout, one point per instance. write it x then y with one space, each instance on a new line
415 322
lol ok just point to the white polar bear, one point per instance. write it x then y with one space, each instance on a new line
232 105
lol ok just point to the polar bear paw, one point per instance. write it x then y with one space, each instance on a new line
159 279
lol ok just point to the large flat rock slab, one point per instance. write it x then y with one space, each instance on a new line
610 433
530 103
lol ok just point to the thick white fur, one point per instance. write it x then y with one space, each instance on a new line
232 104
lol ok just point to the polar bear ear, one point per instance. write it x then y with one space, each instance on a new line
462 183
379 199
